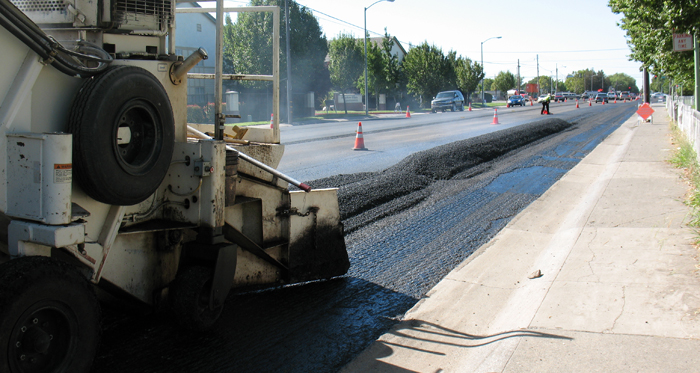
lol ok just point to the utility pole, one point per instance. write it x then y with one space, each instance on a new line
556 77
696 48
289 65
645 85
518 75
538 75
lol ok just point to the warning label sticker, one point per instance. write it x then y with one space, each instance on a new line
62 173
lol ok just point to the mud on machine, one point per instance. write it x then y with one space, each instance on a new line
104 185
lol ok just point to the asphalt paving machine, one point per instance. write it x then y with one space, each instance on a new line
105 186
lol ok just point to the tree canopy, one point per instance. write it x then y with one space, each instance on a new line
248 47
469 74
622 82
650 25
384 72
346 62
504 81
428 71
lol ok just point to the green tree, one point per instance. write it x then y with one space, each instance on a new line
383 69
589 80
346 63
504 81
622 82
248 47
448 71
576 82
659 84
469 75
393 69
650 25
384 72
427 71
488 82
375 70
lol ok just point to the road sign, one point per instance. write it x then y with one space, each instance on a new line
682 42
645 111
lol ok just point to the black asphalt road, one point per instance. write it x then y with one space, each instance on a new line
407 227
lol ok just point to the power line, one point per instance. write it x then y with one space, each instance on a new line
351 24
338 19
576 51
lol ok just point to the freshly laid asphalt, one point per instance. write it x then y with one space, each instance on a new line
400 248
597 275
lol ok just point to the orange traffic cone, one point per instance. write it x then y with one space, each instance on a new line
615 102
531 102
603 102
495 116
359 139
577 104
589 103
470 106
408 112
272 120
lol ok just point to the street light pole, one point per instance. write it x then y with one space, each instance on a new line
556 81
365 37
482 66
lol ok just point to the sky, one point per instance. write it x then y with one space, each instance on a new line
566 35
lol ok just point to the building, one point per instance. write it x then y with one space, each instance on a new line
397 50
195 30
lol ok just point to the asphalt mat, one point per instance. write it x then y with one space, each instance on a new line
408 226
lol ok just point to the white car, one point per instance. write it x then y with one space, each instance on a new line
658 96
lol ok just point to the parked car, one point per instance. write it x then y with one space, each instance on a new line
452 100
590 94
558 97
601 97
658 96
515 100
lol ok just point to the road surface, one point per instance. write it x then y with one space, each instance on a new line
400 245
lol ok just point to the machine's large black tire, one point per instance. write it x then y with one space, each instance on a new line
49 317
126 173
189 299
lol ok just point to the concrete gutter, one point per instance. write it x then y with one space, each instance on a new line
619 288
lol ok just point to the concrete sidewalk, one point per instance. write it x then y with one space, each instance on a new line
619 289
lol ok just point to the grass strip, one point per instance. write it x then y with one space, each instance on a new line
685 158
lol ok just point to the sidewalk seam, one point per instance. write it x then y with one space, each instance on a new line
494 358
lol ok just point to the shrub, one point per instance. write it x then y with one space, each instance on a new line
202 115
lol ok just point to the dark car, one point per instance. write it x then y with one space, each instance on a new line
452 100
601 97
515 100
